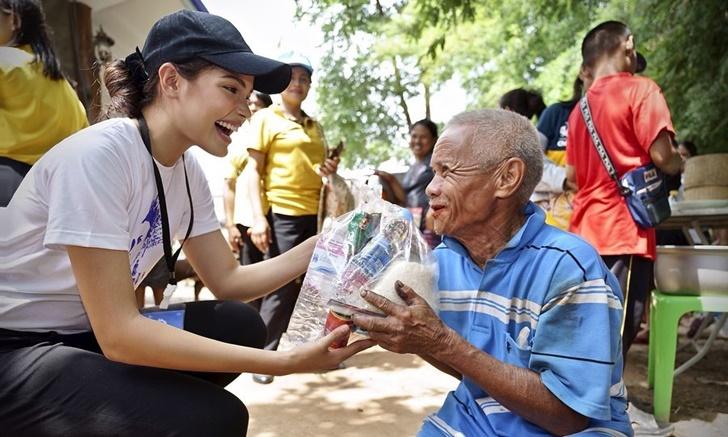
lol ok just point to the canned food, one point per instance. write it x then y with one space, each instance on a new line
333 321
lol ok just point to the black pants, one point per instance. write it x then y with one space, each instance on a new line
12 173
249 253
61 385
637 292
277 307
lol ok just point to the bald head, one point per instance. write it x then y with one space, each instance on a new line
496 135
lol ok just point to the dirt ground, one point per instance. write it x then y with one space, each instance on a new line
378 394
701 392
387 395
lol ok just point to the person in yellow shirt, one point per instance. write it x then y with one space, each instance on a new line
38 107
238 214
287 154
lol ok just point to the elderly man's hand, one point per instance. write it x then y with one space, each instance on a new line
411 328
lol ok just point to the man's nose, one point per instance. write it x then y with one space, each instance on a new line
433 188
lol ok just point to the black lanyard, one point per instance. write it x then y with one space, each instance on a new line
169 258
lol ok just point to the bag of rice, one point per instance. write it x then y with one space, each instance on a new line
370 248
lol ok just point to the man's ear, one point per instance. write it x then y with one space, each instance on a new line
510 178
629 44
169 80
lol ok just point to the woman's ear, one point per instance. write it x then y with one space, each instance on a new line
169 80
510 177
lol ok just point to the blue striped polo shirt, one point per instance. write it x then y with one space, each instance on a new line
545 302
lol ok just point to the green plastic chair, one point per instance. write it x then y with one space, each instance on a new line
665 313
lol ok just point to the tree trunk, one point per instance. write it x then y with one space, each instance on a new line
428 115
399 89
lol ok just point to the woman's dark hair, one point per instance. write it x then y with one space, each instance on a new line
427 124
264 98
34 32
524 102
130 96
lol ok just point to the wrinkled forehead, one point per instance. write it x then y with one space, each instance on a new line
455 144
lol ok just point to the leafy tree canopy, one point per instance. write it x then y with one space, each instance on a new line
381 53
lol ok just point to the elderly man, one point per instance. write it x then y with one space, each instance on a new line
529 315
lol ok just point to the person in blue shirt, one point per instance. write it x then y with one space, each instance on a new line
529 317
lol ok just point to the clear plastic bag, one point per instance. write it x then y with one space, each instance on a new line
368 248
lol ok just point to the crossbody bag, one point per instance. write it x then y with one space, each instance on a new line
642 188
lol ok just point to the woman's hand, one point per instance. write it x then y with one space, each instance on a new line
329 167
260 234
318 356
234 237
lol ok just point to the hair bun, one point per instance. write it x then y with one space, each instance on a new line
137 69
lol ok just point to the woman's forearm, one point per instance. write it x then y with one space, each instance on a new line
146 342
104 282
256 280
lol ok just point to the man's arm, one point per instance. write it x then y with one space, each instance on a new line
415 328
260 232
229 204
442 367
516 388
663 155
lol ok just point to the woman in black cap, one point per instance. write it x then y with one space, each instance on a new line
95 214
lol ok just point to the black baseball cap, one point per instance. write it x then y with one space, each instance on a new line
185 35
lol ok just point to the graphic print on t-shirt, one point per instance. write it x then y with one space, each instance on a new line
141 243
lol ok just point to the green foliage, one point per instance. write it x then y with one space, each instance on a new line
352 110
686 44
493 46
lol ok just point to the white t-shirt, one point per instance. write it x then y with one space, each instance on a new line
94 189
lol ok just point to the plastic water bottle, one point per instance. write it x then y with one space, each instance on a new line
374 257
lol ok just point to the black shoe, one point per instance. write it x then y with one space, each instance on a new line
262 379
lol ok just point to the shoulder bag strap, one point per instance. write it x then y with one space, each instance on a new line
601 150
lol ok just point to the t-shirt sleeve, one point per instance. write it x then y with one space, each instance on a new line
88 194
651 116
235 164
577 342
260 134
552 178
205 219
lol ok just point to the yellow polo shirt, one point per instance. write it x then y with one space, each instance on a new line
293 154
36 113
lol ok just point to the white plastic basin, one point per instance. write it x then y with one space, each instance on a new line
692 270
